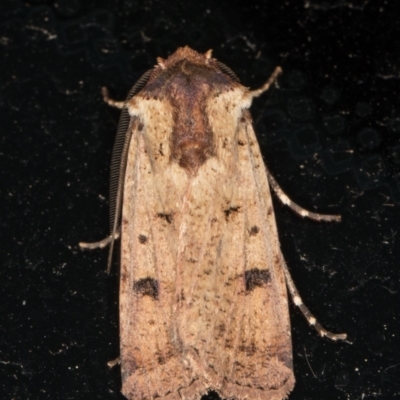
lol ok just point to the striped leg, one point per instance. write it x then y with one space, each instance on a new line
101 244
306 312
111 102
295 207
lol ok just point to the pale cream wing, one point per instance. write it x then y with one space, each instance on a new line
201 280
263 356
232 315
150 362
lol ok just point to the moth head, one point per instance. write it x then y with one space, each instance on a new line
187 55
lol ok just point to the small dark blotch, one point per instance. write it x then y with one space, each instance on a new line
147 287
143 239
163 357
230 281
254 230
239 367
241 143
242 120
140 127
167 217
269 211
256 278
160 150
230 211
180 297
221 329
249 350
161 360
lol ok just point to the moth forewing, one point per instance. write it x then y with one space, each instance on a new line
203 302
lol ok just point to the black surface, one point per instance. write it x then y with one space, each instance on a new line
330 135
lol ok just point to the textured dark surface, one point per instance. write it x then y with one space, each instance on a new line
330 135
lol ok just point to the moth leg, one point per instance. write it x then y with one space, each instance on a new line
109 101
306 312
266 86
295 207
279 192
101 244
115 362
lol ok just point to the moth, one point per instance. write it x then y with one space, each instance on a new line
203 283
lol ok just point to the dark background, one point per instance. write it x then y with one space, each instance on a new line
329 134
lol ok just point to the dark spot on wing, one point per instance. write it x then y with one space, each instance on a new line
256 278
221 329
147 287
163 356
254 230
143 239
167 217
231 210
250 350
